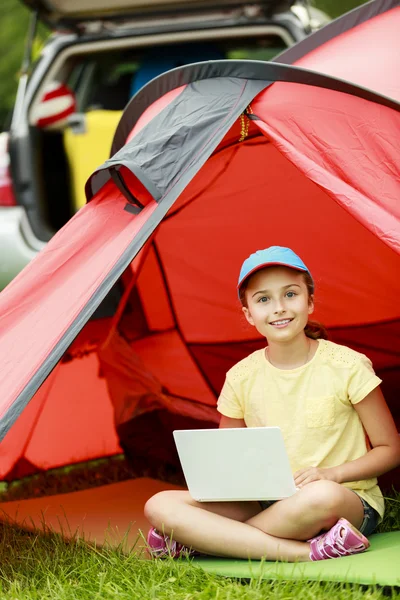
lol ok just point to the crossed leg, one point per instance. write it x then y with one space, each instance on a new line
314 508
241 530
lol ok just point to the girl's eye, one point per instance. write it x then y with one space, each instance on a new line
263 299
291 294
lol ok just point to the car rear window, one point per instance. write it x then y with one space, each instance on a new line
107 80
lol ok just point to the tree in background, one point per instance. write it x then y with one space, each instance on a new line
14 20
335 8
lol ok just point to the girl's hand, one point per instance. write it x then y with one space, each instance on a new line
304 476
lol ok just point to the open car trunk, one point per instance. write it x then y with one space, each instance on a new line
76 94
80 14
64 148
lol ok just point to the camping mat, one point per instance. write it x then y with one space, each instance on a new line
111 514
380 564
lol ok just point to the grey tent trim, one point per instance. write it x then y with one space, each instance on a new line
115 163
249 91
205 76
340 25
243 69
191 122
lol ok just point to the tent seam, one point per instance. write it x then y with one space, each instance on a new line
178 328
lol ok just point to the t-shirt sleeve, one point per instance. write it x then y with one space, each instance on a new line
362 380
228 402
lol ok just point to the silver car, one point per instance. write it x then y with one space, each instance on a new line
67 109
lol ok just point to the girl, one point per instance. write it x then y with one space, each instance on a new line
338 432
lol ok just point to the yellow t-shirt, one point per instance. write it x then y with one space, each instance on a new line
312 404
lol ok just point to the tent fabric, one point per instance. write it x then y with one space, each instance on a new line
178 79
223 158
352 57
208 113
49 325
349 22
337 58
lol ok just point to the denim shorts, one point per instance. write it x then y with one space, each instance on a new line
368 526
371 518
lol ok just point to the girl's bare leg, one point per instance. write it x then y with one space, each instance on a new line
205 528
317 506
241 530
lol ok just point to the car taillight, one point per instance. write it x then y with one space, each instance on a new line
7 197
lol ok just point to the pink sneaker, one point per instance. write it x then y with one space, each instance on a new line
161 546
342 539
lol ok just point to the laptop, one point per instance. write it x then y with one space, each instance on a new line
235 464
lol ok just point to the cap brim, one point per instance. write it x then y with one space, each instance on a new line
269 264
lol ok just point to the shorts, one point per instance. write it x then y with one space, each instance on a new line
371 518
368 526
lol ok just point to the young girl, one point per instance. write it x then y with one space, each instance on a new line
338 432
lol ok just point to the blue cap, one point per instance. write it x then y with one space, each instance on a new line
274 255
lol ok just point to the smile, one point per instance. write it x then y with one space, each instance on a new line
281 322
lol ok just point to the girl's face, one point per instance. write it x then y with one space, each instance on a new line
278 304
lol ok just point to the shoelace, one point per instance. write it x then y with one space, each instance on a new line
337 548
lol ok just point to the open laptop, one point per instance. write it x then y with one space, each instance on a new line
235 464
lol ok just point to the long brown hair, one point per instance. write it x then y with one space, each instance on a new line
313 329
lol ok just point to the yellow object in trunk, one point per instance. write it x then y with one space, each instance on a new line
88 150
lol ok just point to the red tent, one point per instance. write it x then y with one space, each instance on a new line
210 162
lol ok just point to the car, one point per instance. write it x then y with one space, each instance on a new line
96 59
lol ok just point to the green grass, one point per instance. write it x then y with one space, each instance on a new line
391 520
36 566
45 567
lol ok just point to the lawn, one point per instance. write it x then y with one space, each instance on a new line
34 566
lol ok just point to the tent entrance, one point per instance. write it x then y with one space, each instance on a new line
161 362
